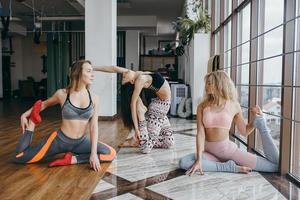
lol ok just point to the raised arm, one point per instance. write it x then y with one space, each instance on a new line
244 128
110 69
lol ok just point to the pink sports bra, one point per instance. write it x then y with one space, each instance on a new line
220 119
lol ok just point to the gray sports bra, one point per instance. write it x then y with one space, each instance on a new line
71 112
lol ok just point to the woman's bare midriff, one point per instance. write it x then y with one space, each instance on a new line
164 93
74 128
216 134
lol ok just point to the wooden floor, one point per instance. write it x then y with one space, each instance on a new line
38 181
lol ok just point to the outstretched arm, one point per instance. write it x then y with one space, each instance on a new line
110 69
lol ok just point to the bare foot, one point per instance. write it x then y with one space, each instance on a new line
243 169
130 142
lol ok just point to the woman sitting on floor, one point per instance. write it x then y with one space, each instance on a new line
215 152
79 111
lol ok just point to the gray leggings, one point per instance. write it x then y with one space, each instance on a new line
268 164
56 143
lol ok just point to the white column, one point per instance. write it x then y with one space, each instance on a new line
100 49
132 44
199 55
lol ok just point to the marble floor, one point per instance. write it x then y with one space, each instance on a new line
156 175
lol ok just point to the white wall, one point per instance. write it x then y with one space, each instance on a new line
100 48
192 67
199 55
132 49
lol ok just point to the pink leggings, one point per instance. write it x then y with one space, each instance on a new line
227 150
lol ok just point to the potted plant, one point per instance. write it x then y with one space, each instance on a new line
187 27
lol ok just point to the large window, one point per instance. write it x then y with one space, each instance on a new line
263 56
295 156
227 47
227 8
217 13
269 66
243 58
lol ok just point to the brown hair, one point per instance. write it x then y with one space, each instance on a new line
75 74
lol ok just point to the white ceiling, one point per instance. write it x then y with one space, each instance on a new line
22 9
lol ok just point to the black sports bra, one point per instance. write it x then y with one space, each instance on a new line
157 81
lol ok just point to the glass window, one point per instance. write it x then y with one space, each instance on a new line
227 8
217 43
271 13
237 132
227 45
243 35
297 7
269 67
295 161
271 43
217 13
243 95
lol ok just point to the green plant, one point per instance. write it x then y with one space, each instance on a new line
187 27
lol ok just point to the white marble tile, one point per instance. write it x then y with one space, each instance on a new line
131 165
178 124
102 185
126 196
217 185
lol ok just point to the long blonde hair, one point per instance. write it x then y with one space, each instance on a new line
75 75
224 89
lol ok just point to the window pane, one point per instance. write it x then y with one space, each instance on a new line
297 69
274 125
227 45
273 13
217 13
243 74
269 72
244 25
297 35
227 59
227 5
270 44
217 43
296 106
227 36
243 95
295 161
297 7
237 132
269 99
243 53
